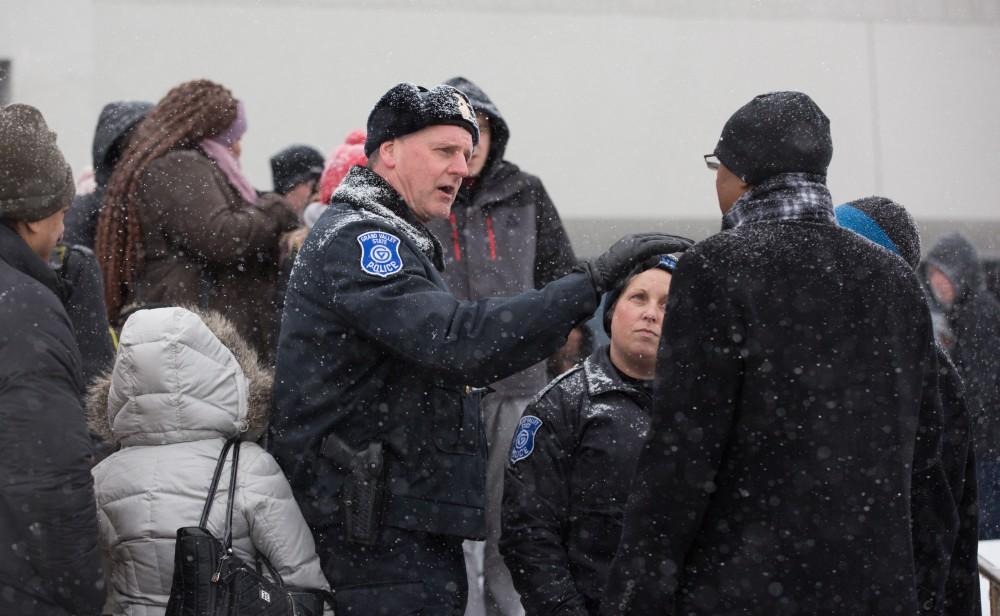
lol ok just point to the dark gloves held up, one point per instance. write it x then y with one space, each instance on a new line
616 261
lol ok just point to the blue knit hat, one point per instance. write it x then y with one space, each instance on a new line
885 223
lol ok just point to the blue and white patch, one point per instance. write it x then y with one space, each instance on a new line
524 439
380 253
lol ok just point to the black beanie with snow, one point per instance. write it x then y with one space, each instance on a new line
778 132
407 108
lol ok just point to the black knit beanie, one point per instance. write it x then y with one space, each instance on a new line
667 263
293 166
407 108
779 132
884 222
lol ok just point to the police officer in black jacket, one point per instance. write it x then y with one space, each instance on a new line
377 423
574 454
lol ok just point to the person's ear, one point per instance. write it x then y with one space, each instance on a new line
387 153
33 227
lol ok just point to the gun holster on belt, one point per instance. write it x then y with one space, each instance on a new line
363 495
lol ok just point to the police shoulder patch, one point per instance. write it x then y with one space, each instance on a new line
524 439
380 253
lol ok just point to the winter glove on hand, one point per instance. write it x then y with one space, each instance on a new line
608 268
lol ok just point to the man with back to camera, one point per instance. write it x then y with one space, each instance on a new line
945 558
377 423
795 363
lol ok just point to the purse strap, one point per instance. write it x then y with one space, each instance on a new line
227 540
203 523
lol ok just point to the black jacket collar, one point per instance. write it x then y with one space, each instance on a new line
602 377
16 253
364 189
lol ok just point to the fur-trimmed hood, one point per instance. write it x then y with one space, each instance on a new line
180 375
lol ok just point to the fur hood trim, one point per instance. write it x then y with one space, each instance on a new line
259 382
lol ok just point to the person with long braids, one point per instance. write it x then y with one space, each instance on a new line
181 224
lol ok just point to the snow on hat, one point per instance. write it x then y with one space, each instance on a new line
884 222
407 108
35 180
294 165
667 263
778 132
343 157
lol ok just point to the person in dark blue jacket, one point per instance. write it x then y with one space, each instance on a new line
377 421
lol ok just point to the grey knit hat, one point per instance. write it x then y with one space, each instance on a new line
35 181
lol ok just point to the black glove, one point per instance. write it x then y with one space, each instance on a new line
616 261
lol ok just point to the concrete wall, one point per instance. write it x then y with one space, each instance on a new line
612 104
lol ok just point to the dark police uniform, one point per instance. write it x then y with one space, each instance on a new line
375 350
571 465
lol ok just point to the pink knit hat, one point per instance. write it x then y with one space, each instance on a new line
343 157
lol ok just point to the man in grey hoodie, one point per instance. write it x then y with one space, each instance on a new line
492 248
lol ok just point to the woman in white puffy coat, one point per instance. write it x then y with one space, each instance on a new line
182 384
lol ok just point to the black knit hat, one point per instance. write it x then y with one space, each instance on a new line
667 263
294 165
407 108
779 132
884 222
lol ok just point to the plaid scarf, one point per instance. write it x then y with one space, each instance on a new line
786 196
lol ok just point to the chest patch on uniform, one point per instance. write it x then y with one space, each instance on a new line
380 253
524 439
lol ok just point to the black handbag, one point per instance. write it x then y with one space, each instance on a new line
210 580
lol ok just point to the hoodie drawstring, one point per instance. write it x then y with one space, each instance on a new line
454 236
492 238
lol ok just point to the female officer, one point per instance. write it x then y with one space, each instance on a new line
574 454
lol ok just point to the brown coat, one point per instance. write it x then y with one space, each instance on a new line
205 246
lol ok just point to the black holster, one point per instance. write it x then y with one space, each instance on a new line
362 497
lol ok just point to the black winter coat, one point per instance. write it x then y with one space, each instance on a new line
960 545
565 495
49 563
84 301
974 320
373 347
796 363
113 125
